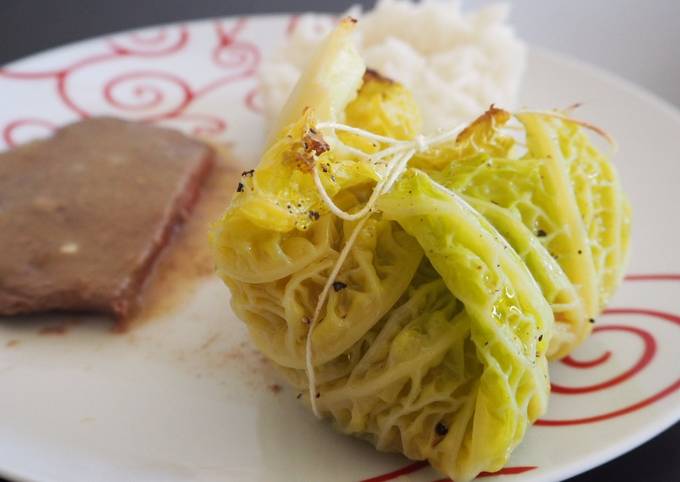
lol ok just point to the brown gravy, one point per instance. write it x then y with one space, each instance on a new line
188 259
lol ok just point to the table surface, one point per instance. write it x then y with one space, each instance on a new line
639 41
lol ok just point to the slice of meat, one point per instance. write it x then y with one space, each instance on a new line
83 215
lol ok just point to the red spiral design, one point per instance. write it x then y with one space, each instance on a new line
569 361
145 88
648 354
420 465
408 469
520 469
158 37
245 56
148 95
642 362
10 129
228 35
150 46
254 100
230 53
65 97
53 74
615 413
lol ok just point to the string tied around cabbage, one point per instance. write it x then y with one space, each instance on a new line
390 162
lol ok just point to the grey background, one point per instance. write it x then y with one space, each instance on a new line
637 40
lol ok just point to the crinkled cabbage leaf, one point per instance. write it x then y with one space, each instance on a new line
489 254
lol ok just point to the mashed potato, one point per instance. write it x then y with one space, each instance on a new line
456 63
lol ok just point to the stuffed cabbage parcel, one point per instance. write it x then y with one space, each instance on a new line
416 306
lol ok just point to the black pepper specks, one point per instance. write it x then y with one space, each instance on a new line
441 429
540 337
580 251
591 320
314 215
240 187
339 286
541 234
248 173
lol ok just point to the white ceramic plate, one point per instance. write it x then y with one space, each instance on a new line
184 397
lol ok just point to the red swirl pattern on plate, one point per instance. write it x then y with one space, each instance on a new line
243 58
137 44
9 132
146 91
229 52
420 465
569 361
650 348
158 37
642 362
151 95
254 100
